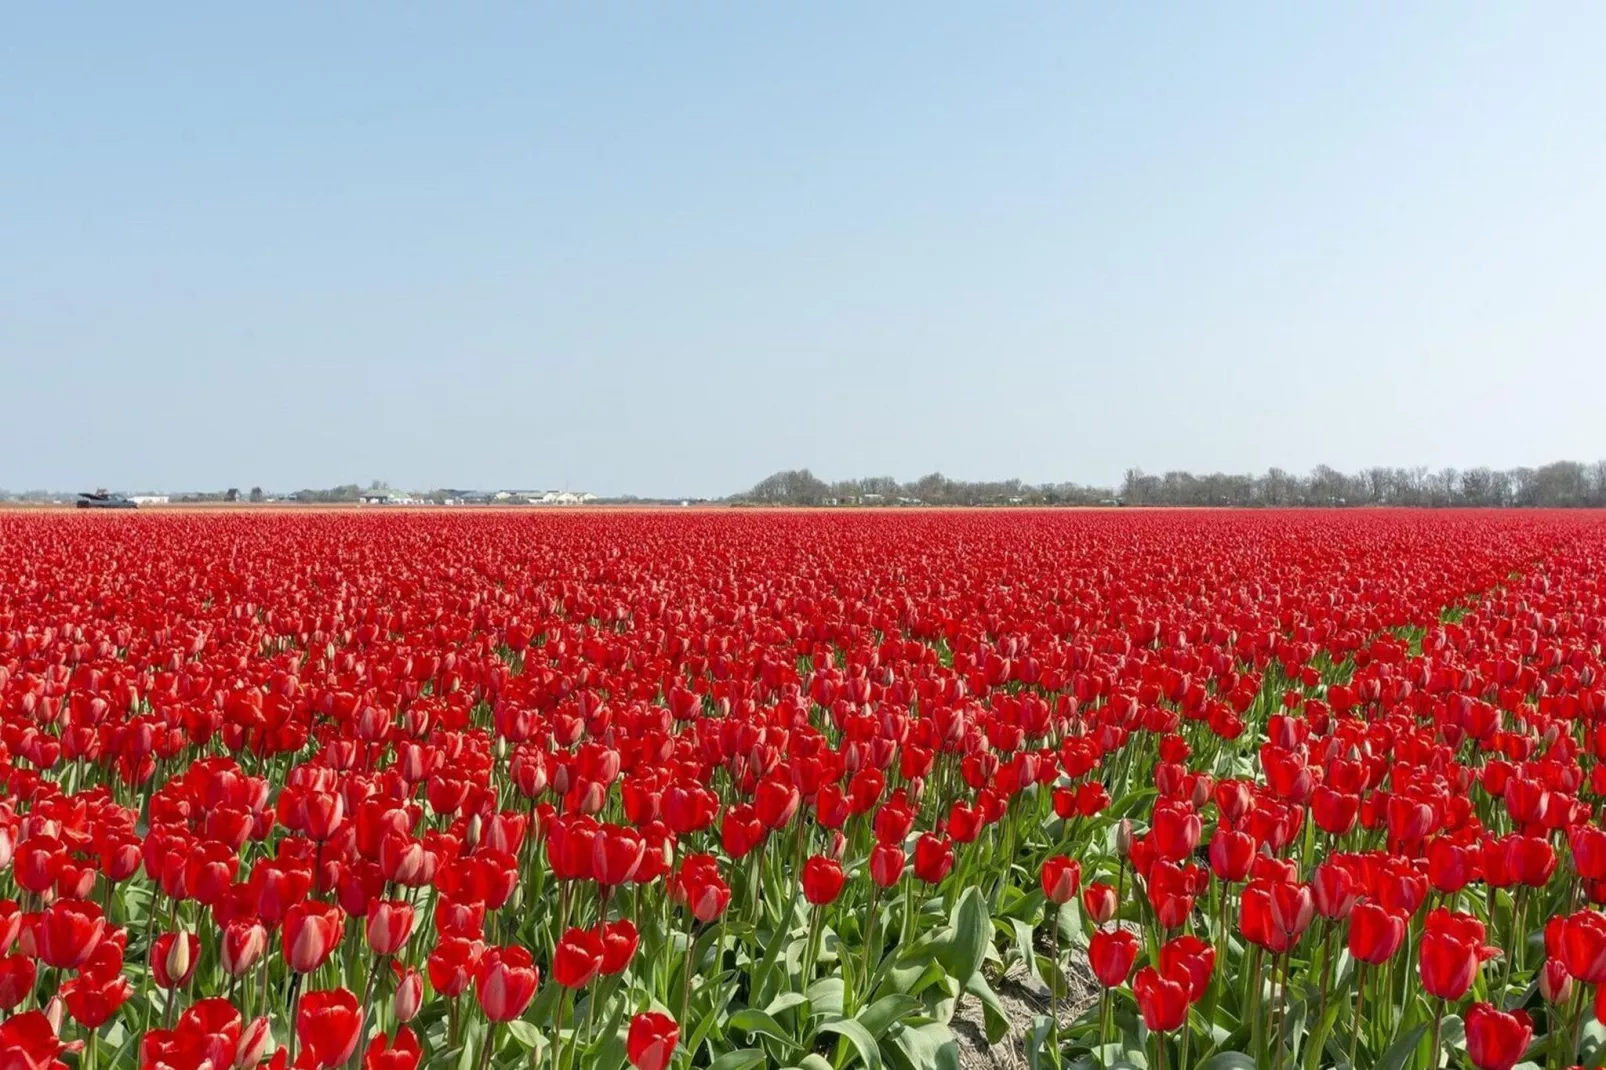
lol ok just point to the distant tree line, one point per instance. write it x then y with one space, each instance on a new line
1563 484
803 488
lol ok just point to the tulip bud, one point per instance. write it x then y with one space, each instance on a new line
254 1044
1201 793
839 845
1123 838
1552 733
1555 983
915 789
178 957
54 1011
409 995
471 837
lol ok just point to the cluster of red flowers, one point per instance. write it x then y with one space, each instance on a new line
318 788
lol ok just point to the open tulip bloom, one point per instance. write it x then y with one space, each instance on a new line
735 789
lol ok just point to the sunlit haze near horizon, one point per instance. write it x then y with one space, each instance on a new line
669 249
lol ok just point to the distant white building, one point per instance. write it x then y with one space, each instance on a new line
150 499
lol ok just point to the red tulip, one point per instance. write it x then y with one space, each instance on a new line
384 1053
506 979
741 830
1496 1041
174 957
1333 887
1334 812
1452 947
409 995
822 880
16 980
69 931
616 853
327 1025
28 1042
1231 854
452 964
389 925
1292 909
1190 960
1583 946
1175 830
1530 860
577 958
775 802
1375 933
652 1040
1111 954
244 940
886 865
1451 866
934 858
1098 902
312 930
1555 983
1162 1001
619 940
1588 843
253 1044
1061 876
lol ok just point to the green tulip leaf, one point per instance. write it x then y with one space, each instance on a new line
741 1059
1400 1053
859 1037
972 931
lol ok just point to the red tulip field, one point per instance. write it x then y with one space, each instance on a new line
739 789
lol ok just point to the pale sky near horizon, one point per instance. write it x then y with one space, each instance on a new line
667 249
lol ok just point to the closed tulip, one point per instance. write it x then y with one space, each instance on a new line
651 1041
1231 855
616 853
243 943
68 933
1452 947
1375 933
17 973
452 963
822 880
1190 960
619 940
934 858
327 1025
577 959
389 925
1175 831
1061 877
886 864
1583 946
505 982
1496 1040
1099 902
312 930
174 957
1111 955
409 996
1162 1002
1333 888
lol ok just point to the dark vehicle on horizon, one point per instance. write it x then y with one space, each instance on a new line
102 500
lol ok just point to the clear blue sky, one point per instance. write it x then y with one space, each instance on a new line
669 248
